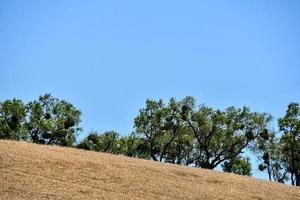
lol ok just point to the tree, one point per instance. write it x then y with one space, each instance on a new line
269 151
158 126
181 150
289 125
238 165
133 146
12 119
222 135
105 142
52 121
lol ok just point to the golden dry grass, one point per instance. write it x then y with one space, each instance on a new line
30 171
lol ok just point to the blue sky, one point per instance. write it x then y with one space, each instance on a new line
107 57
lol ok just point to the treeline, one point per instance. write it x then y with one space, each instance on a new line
179 132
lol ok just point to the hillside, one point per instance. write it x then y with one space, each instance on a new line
30 171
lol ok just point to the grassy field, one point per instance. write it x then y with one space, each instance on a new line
30 171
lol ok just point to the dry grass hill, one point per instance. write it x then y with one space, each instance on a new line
30 171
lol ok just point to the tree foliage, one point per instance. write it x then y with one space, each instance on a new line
12 119
112 142
47 120
52 121
182 133
223 135
269 152
105 142
289 125
238 165
158 125
133 146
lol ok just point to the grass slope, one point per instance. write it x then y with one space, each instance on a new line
30 171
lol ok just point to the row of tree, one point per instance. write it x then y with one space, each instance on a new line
179 132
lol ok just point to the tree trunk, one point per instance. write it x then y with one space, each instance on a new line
269 173
153 157
292 178
297 176
174 134
152 153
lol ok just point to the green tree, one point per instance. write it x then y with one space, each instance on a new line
133 146
269 151
52 121
12 119
238 165
105 142
158 125
289 125
222 135
181 151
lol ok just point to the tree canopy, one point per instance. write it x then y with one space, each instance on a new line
47 120
12 120
183 133
289 125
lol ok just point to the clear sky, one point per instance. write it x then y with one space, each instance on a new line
107 57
